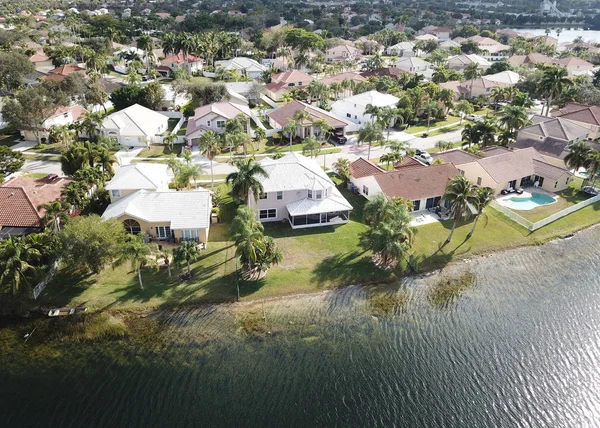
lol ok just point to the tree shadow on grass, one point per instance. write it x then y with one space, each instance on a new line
349 269
67 284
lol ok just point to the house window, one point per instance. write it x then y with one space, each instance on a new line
416 205
299 83
310 194
208 123
319 194
291 84
355 117
555 184
220 124
279 196
189 234
266 214
163 232
479 181
348 115
263 196
115 193
365 190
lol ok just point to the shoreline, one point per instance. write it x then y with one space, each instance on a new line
249 303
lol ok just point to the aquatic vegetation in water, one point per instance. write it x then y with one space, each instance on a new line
384 303
254 323
449 288
93 326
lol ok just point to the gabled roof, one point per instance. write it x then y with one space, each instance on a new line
292 77
412 62
339 78
557 128
59 73
403 46
409 162
76 111
371 97
294 172
468 59
579 113
224 109
455 156
417 183
38 57
507 166
385 71
572 61
345 48
333 203
241 63
547 170
363 168
149 176
183 210
16 209
505 77
282 114
38 190
179 59
137 117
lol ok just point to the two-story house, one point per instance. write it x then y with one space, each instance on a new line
343 53
587 116
213 117
62 116
415 65
285 82
461 62
298 191
279 118
192 64
353 108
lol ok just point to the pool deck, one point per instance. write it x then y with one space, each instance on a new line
504 199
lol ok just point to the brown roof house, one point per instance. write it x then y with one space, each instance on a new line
423 185
285 82
213 117
343 53
280 117
518 168
60 73
19 199
552 137
582 114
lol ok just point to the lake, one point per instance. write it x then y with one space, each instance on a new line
520 347
590 36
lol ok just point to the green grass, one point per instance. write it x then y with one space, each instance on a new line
54 148
171 125
40 157
36 175
458 144
440 124
160 150
8 138
314 260
571 196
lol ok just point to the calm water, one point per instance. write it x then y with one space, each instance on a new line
521 348
590 36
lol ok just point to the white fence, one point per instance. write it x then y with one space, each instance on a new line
37 290
532 226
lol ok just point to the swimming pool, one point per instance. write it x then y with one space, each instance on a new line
528 202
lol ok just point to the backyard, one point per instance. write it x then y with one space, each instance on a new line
314 260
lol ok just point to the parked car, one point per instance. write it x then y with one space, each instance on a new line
473 117
338 137
423 156
590 190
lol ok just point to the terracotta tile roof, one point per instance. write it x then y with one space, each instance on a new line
386 71
409 162
38 57
38 191
363 168
178 59
16 209
292 76
59 73
417 183
339 78
282 114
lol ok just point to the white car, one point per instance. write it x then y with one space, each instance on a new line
423 156
473 117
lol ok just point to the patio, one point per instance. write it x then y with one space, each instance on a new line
421 218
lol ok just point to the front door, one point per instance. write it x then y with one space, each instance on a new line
513 184
163 232
430 203
539 180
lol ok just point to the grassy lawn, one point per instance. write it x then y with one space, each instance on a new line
314 260
285 148
160 150
36 175
55 149
571 196
39 157
440 124
8 138
458 144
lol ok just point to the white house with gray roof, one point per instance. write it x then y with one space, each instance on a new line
134 126
298 191
353 108
138 176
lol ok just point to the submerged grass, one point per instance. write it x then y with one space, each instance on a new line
384 303
450 288
91 327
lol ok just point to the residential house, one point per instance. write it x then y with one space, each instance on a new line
138 176
213 117
164 215
134 126
41 62
20 198
502 169
461 62
424 186
404 50
582 114
282 83
530 60
192 64
343 53
450 45
353 108
574 65
298 191
426 37
593 51
394 72
415 65
441 33
245 66
280 117
339 78
59 74
491 50
62 116
474 88
552 138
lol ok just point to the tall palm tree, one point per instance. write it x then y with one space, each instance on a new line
246 180
482 196
577 157
342 169
16 258
188 251
243 222
210 145
513 118
91 123
593 159
369 134
62 134
104 159
470 135
463 107
497 95
169 44
56 213
459 193
135 251
311 145
145 43
553 82
486 132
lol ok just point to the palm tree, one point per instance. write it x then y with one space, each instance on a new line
246 180
322 127
486 132
291 128
62 134
188 251
16 256
472 71
470 135
244 221
91 123
389 158
56 213
169 140
145 43
104 159
497 95
250 246
397 147
482 196
513 118
463 107
459 193
210 145
593 159
312 145
553 82
135 251
369 134
577 157
342 169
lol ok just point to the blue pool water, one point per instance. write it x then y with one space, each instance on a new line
529 202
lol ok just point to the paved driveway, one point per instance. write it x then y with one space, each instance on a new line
41 166
21 146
